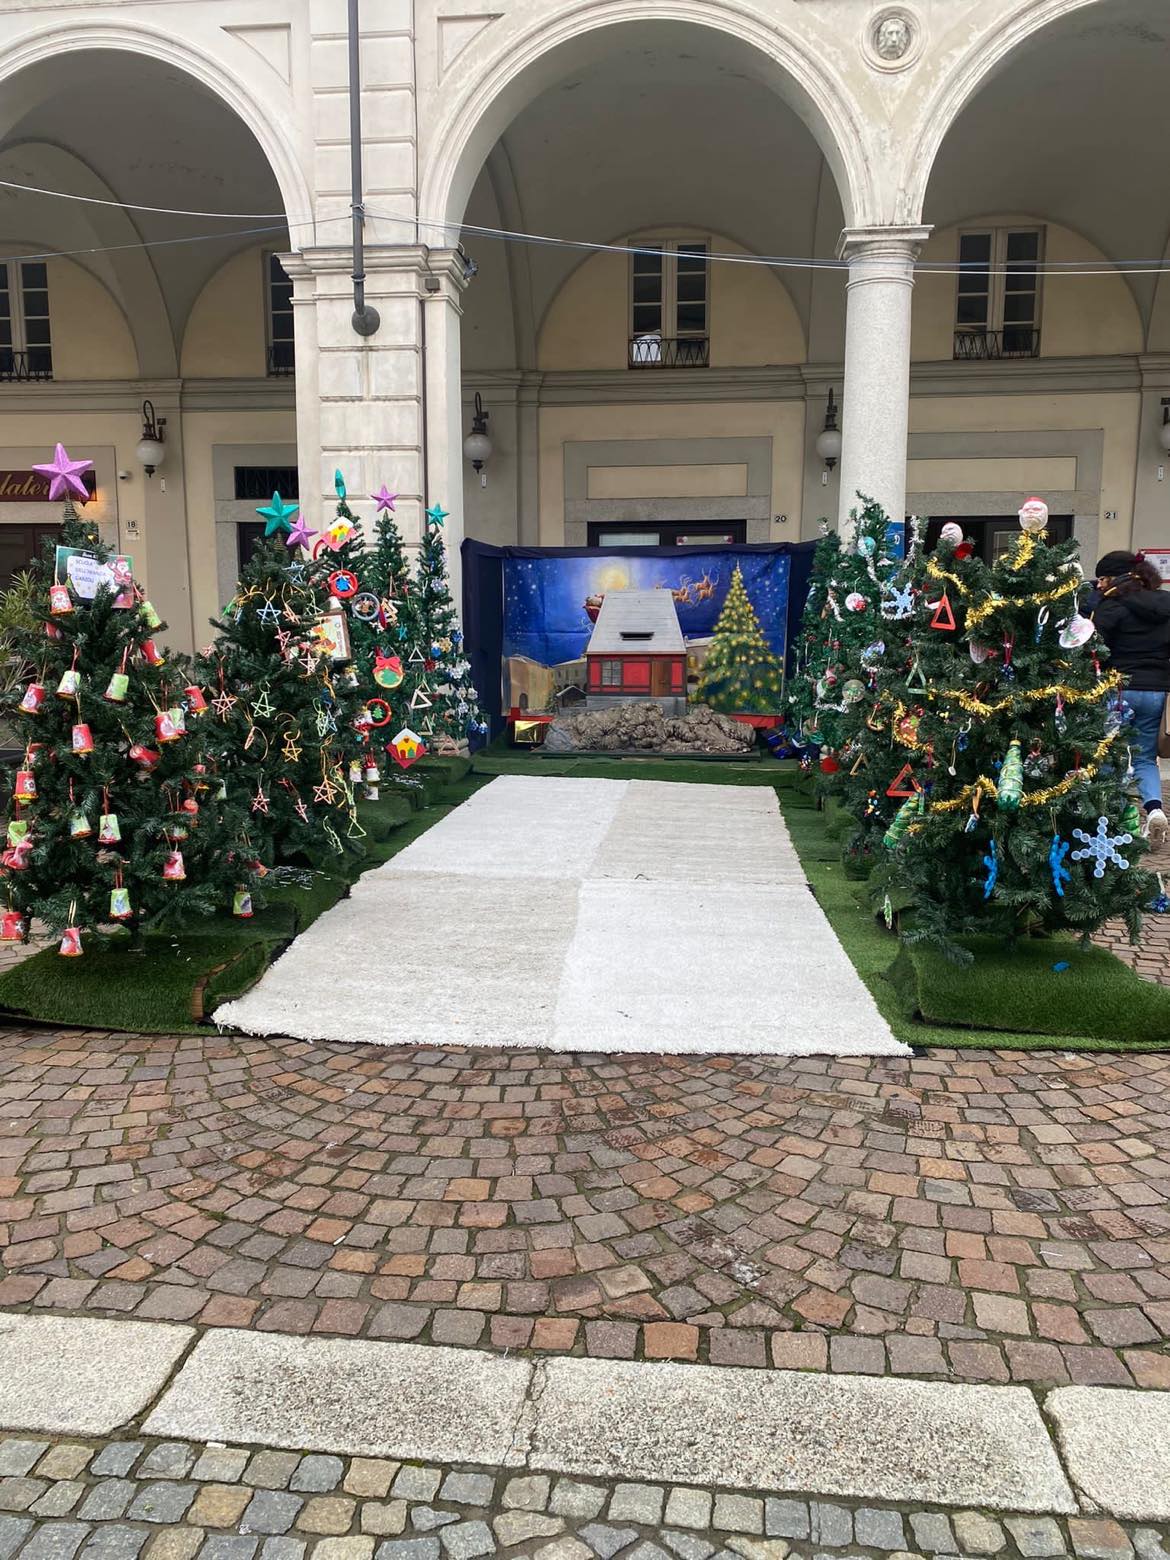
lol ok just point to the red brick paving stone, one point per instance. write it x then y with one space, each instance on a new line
670 1341
874 1208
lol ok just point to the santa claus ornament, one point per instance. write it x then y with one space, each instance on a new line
1034 515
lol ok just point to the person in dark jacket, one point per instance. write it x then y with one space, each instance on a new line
1132 615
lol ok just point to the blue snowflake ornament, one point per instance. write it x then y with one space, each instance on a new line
897 602
1101 848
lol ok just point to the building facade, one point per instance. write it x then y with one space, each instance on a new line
947 213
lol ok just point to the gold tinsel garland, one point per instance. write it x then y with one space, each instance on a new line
973 706
994 603
985 787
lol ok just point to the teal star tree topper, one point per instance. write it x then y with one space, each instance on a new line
276 515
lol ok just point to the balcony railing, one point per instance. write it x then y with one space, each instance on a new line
18 367
282 360
1017 341
669 351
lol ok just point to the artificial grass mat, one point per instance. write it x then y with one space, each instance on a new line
181 977
500 758
1002 1001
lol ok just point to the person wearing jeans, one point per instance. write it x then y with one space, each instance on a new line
1132 615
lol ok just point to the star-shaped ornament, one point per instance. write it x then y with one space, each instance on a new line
296 571
283 638
268 614
290 613
260 801
276 515
262 704
436 514
326 791
64 475
298 535
290 752
384 499
222 704
301 810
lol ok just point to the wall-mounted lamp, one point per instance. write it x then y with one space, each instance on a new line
1164 430
829 439
151 450
477 446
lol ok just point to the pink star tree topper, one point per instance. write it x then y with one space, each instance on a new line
64 475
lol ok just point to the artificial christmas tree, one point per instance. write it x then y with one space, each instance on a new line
741 675
437 699
114 816
282 719
813 644
845 618
1021 818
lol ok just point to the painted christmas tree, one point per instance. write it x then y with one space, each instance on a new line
439 702
282 714
1021 820
115 817
741 675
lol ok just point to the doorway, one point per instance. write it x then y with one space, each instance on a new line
993 535
671 533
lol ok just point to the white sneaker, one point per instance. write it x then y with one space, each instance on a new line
1156 828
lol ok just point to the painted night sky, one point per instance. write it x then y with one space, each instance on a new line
546 620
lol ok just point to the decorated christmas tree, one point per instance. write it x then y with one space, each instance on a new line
841 626
811 652
1020 821
115 817
380 655
915 645
741 674
282 713
439 702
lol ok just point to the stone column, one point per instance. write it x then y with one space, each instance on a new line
875 401
366 405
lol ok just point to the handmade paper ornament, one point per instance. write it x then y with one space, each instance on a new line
70 947
242 904
196 702
80 827
829 764
52 631
189 806
903 783
910 809
979 653
906 726
117 688
221 791
120 907
82 739
60 601
70 684
15 857
944 617
343 583
1033 515
1076 632
364 606
17 831
34 697
109 829
173 870
349 678
164 727
355 771
371 773
854 691
1011 778
855 601
406 748
141 754
388 671
370 793
151 653
951 534
12 926
149 616
377 712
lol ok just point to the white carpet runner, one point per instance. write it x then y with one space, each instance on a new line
581 915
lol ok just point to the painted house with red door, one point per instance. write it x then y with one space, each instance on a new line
637 652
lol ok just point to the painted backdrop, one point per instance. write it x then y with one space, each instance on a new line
551 604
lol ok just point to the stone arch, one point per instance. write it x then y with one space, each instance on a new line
961 83
522 67
49 43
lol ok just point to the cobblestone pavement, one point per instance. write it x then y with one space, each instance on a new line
1151 956
174 1500
969 1216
